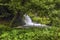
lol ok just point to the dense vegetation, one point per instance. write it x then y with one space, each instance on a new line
47 11
41 11
30 33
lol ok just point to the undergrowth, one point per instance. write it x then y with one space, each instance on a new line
52 33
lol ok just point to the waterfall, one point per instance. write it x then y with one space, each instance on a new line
27 19
28 22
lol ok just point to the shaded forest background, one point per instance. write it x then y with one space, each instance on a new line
41 11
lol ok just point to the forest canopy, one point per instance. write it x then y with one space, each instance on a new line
41 11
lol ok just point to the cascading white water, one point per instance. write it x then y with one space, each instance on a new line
27 19
29 22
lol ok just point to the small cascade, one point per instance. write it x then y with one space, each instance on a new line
28 22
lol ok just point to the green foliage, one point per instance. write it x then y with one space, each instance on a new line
42 11
30 34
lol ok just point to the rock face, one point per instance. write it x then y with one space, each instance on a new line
28 22
18 21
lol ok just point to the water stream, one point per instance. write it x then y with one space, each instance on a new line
28 22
